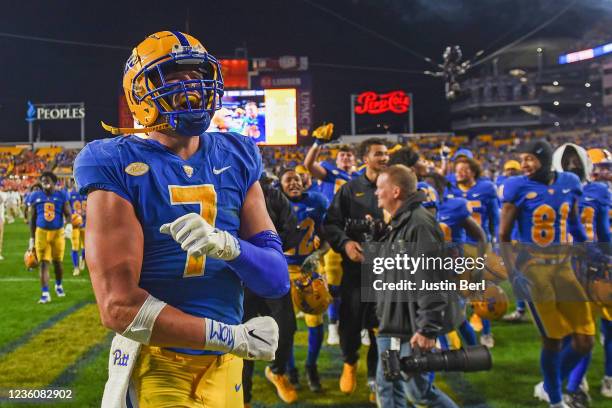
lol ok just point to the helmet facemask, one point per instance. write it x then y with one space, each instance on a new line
186 87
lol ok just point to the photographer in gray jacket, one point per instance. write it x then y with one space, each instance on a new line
416 229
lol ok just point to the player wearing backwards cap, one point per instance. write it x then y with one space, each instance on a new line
49 207
176 224
545 205
594 206
332 177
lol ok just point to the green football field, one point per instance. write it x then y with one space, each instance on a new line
62 345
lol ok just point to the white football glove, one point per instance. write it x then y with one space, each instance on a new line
256 339
198 238
68 231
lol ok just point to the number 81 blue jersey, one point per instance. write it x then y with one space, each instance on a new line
543 209
161 187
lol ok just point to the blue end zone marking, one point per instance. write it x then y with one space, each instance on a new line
72 371
7 348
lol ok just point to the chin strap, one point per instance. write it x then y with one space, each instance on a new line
123 131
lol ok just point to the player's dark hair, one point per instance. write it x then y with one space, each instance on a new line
49 174
438 181
35 185
474 166
405 156
347 148
364 147
284 171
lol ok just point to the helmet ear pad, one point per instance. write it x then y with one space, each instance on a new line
150 112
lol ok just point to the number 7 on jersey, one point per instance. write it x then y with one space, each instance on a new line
205 196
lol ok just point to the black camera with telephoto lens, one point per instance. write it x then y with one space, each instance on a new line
469 359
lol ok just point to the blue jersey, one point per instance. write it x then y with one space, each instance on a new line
498 183
49 209
432 198
27 199
452 213
482 200
594 206
310 210
161 187
501 180
78 204
314 187
543 210
334 179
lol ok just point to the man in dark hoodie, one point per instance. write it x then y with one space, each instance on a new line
417 228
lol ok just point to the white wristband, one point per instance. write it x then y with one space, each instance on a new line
142 326
219 336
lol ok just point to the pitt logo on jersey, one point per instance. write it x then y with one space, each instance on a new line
188 170
137 169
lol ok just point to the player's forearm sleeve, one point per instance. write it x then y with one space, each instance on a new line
262 266
602 226
494 219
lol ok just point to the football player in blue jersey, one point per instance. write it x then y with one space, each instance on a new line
177 223
306 177
448 167
27 202
411 159
49 207
309 208
78 206
511 168
482 200
545 205
456 222
593 208
480 193
332 177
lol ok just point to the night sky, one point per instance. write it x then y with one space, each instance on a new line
49 72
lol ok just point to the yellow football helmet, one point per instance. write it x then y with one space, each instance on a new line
494 270
158 103
324 133
310 294
30 259
494 303
76 220
598 156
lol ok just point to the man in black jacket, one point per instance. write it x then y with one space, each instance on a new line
414 225
353 208
281 310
